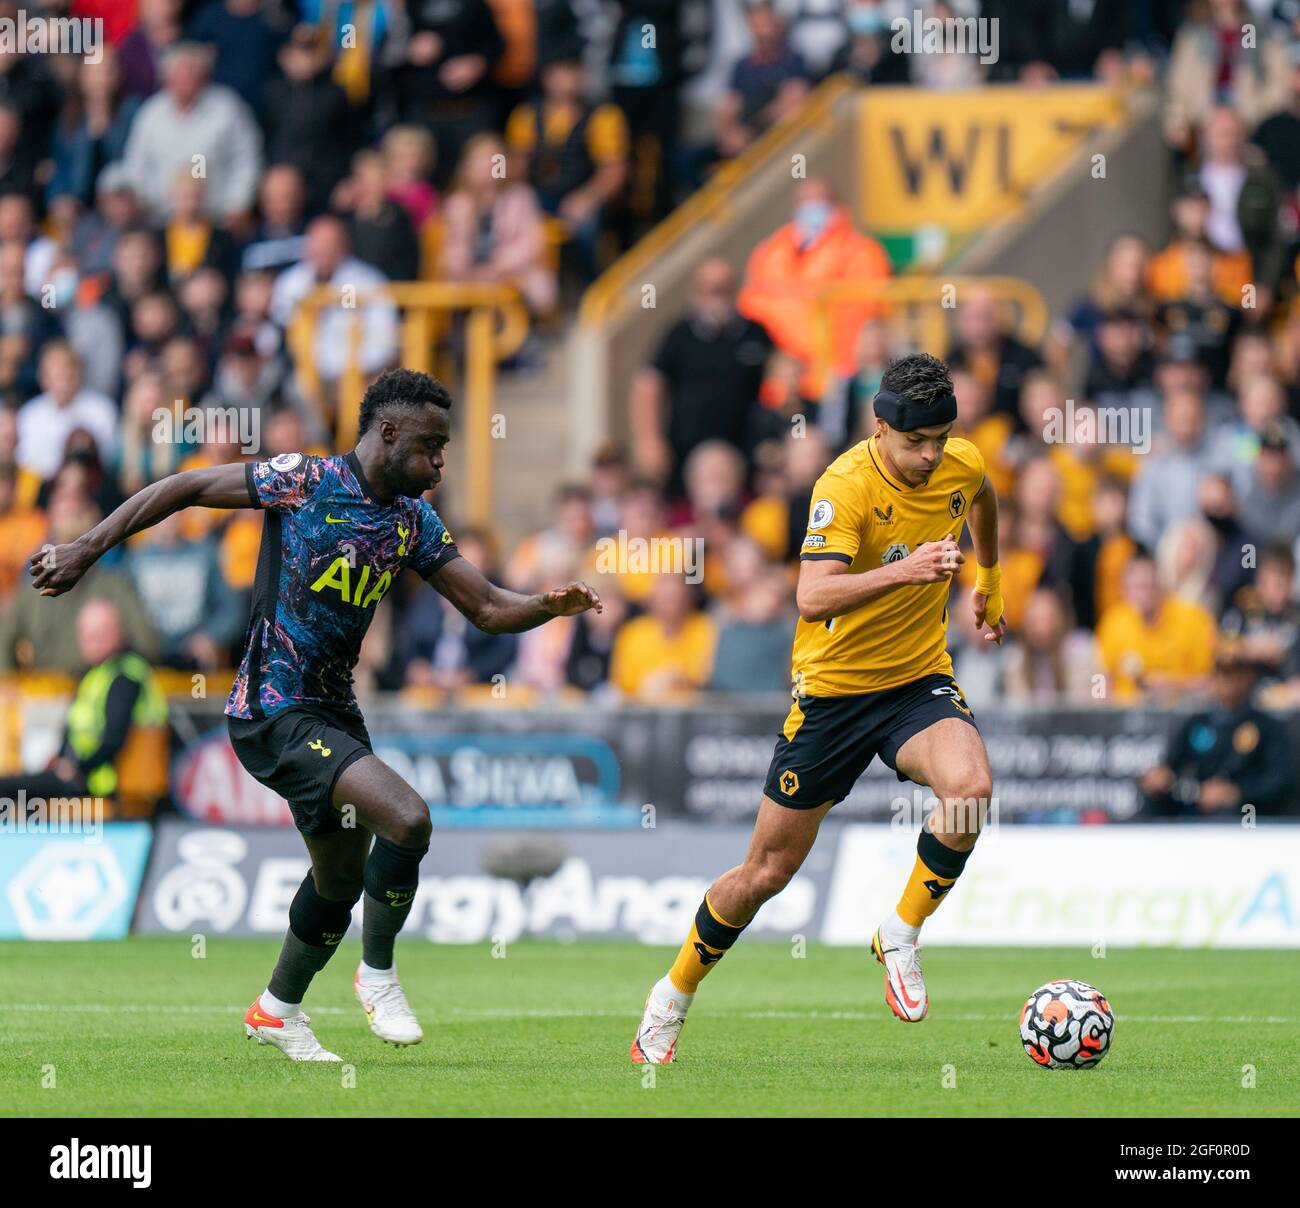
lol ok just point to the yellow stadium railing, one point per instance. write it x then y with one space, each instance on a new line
496 324
919 309
709 203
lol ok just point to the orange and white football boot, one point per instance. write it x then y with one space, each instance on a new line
904 981
291 1036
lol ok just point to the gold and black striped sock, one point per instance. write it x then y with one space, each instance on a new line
935 872
710 937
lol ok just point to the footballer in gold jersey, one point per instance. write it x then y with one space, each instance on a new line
871 676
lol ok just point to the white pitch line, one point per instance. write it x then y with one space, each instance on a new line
961 1017
550 1013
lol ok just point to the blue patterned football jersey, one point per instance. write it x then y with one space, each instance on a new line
330 552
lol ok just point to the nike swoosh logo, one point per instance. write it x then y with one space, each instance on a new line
258 1017
332 520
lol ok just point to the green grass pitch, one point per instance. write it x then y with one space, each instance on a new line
142 1028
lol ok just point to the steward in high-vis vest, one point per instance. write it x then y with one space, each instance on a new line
112 698
115 731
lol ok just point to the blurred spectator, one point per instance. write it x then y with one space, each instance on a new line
609 480
560 549
91 328
277 241
594 634
22 528
1278 136
254 291
244 39
442 648
646 78
1121 371
93 238
847 414
1104 555
1154 646
576 155
1164 489
84 474
1049 661
778 518
381 231
1167 276
184 368
40 631
445 79
1244 196
192 240
1211 65
64 405
193 123
92 130
1218 503
703 382
668 652
117 693
328 260
410 156
1043 41
1120 286
17 174
245 379
990 353
1266 621
18 225
28 85
1185 560
1237 444
205 304
493 228
787 271
155 319
766 86
755 628
158 27
141 457
24 324
867 54
1270 504
990 433
1225 757
307 118
195 613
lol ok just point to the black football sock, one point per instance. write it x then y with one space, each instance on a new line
392 875
316 925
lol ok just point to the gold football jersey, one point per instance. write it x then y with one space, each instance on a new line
862 516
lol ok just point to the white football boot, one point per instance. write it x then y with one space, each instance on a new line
291 1036
904 981
655 1042
385 1005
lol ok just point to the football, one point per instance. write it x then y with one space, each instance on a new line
1067 1025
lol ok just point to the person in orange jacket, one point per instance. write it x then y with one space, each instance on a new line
818 247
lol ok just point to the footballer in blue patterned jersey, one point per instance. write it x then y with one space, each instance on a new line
338 531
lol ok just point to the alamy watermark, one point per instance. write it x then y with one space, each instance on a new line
1089 425
624 555
951 815
922 35
208 425
38 35
26 815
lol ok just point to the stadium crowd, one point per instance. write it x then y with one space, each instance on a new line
130 285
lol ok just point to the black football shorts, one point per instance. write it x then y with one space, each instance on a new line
828 741
299 752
